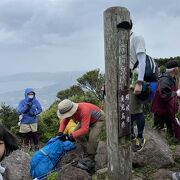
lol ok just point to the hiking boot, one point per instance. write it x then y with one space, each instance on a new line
176 176
84 163
140 142
133 140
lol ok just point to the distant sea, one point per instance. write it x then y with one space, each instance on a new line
46 86
21 85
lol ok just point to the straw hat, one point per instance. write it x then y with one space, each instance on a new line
66 108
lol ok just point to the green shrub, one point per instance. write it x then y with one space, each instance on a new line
48 123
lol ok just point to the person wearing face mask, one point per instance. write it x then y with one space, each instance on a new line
28 110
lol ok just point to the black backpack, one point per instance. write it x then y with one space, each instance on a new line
151 69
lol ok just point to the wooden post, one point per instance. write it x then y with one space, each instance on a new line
117 93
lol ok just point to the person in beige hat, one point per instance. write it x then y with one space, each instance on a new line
89 116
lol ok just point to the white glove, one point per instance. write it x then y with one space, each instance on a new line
178 92
20 118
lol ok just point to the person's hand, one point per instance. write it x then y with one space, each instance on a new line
29 105
62 136
66 137
70 138
32 113
178 92
138 88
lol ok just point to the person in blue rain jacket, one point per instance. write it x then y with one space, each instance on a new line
28 110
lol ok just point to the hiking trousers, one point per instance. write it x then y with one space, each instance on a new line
94 134
90 145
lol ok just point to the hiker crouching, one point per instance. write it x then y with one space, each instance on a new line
89 116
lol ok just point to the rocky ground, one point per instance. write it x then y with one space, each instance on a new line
156 161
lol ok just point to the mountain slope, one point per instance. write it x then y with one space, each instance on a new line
46 86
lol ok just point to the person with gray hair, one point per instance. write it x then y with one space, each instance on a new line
165 102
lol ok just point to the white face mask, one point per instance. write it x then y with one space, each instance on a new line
30 96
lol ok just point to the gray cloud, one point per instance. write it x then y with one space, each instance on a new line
60 35
33 22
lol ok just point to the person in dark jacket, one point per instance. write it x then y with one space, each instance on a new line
165 102
28 109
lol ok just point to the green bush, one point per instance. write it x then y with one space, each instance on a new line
48 123
52 176
8 116
88 89
87 97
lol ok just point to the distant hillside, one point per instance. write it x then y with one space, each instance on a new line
45 84
41 76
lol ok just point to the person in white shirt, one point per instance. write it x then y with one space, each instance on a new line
137 54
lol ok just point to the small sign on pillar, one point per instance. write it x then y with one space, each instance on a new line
124 115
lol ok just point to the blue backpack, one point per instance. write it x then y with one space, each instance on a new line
46 159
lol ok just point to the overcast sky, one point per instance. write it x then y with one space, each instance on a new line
67 35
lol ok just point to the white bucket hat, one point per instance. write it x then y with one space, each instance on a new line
66 108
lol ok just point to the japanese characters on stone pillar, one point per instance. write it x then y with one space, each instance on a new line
123 82
124 116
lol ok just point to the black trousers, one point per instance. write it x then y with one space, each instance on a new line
140 121
31 137
160 121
